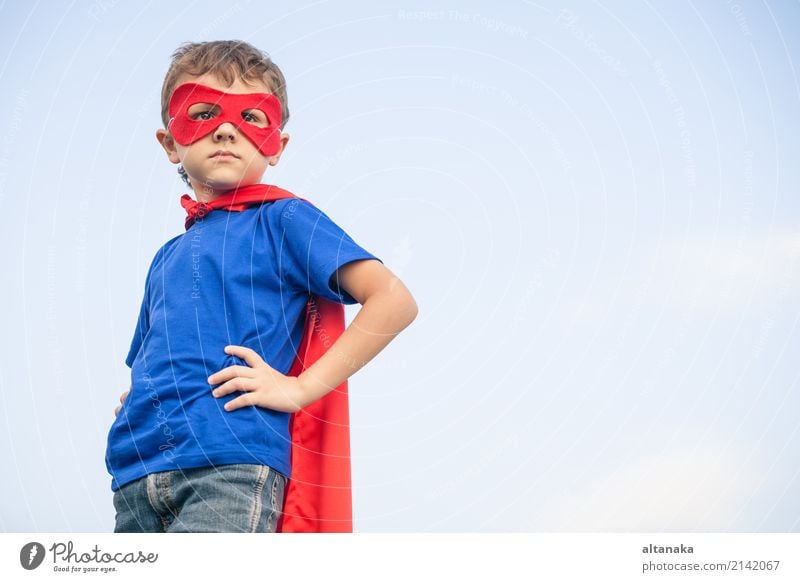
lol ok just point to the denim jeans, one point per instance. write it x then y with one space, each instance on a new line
227 498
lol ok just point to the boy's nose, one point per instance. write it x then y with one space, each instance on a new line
225 131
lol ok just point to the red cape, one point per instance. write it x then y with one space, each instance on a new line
318 497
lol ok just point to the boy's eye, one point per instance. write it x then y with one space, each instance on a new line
203 111
203 115
255 116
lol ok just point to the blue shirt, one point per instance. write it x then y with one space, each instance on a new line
234 278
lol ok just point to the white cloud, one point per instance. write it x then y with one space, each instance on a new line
696 490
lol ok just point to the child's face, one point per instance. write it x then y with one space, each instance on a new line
209 172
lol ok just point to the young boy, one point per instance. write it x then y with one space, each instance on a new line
209 435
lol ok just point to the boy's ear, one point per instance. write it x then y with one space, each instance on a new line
273 160
168 143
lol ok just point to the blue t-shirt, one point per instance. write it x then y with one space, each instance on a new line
234 278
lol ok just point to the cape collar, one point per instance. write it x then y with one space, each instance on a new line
236 200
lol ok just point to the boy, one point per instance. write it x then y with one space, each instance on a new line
209 434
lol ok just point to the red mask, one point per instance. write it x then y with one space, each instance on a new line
229 107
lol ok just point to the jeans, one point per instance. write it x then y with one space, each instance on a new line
227 498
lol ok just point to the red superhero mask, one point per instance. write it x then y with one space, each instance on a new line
233 108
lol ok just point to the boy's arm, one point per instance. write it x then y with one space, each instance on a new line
387 309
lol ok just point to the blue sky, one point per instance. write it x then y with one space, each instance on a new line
594 204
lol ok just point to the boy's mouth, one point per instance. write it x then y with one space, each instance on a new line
224 154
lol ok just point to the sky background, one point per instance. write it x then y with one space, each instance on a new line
595 205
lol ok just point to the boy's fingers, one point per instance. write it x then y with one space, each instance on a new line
122 398
241 402
238 384
250 356
230 372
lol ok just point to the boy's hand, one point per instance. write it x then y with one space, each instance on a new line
122 400
264 386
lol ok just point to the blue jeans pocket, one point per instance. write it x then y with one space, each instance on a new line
228 498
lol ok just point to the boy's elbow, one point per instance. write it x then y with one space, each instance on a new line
414 308
397 300
407 307
369 279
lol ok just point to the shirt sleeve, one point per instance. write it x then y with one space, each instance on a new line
312 248
142 324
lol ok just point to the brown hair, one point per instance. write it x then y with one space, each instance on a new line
227 59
